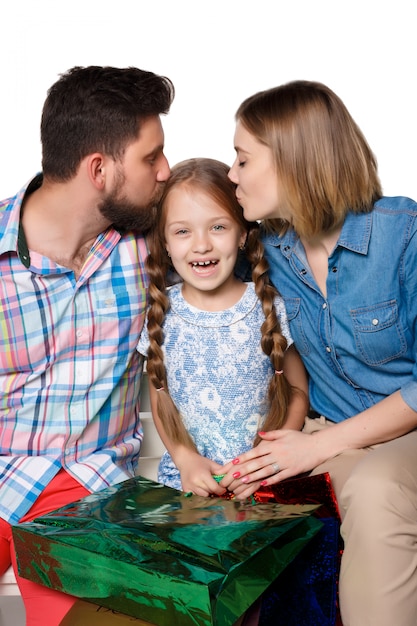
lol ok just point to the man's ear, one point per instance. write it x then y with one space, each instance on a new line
96 169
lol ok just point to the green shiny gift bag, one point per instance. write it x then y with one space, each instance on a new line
151 552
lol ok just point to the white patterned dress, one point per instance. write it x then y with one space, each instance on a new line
217 375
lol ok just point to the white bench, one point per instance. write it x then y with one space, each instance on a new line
12 611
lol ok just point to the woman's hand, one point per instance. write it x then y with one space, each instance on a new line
197 474
286 453
281 454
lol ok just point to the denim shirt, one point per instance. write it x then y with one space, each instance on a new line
359 342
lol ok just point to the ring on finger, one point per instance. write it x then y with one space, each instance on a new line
275 467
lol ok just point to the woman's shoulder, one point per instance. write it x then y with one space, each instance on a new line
397 204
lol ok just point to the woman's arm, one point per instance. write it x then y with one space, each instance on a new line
388 419
297 452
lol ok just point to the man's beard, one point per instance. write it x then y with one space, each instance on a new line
125 215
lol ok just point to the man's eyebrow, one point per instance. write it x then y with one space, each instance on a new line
156 150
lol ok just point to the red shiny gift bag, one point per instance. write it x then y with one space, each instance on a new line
303 490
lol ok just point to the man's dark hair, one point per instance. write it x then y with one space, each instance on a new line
97 109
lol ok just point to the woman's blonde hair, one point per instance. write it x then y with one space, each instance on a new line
210 177
324 164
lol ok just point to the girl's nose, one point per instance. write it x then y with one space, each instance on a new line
201 242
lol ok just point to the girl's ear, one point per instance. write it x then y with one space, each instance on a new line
242 241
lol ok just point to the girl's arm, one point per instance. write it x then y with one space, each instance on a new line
297 377
196 471
298 409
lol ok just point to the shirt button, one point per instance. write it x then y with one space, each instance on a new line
328 349
334 270
324 305
375 322
79 333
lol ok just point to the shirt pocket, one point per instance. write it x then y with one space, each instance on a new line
378 333
120 302
294 316
119 313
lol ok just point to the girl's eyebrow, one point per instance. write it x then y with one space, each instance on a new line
177 223
216 218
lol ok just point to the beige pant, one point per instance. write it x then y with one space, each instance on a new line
376 489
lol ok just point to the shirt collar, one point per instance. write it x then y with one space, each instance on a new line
356 232
355 235
12 237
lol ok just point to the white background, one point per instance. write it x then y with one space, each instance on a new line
217 52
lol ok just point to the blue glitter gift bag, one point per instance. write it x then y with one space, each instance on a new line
306 592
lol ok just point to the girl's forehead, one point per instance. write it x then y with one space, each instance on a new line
185 194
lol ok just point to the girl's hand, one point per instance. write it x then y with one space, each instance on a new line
281 454
197 474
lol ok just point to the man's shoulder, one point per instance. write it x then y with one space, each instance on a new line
5 210
8 203
5 204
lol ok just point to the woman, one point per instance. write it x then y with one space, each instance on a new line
345 260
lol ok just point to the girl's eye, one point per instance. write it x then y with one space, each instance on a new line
241 163
218 227
183 231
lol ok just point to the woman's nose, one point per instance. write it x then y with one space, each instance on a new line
232 173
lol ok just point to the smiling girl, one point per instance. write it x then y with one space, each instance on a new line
221 363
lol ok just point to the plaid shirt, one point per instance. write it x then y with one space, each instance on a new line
69 369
